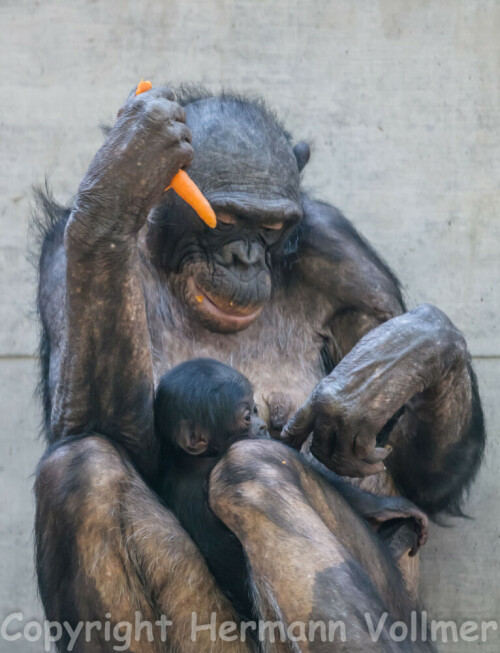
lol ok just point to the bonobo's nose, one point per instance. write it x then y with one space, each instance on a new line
243 253
258 428
263 431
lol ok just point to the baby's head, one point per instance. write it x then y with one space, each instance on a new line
202 406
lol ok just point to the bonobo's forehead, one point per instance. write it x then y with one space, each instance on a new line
243 157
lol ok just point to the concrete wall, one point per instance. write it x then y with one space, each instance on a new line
401 101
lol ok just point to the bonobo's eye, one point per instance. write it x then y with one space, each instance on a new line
255 410
225 221
247 417
272 231
275 226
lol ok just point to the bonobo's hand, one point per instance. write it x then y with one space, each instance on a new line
146 147
404 357
342 440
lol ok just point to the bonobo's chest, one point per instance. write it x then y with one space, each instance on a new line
280 352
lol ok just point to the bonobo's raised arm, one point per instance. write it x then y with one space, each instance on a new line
416 360
105 381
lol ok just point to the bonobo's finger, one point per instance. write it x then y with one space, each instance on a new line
187 154
379 453
158 105
183 132
360 469
374 464
342 461
367 450
297 429
157 92
164 91
130 97
177 112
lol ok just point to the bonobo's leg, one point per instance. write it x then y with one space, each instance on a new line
310 556
107 549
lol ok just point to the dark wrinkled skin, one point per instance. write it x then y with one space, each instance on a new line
290 293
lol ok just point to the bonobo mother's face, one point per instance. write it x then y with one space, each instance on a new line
247 169
229 284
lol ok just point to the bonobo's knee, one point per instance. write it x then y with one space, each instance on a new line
78 468
252 474
78 486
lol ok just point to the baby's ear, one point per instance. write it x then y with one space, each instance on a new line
192 438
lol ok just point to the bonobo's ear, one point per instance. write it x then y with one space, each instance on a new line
192 438
302 153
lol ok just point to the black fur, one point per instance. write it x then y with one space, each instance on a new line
343 226
186 94
447 490
48 220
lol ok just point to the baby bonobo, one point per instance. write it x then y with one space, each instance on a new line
201 408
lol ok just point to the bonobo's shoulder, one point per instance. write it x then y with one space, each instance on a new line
334 257
325 228
48 222
318 213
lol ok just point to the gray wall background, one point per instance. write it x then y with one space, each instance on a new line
400 100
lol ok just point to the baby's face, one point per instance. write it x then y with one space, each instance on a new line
247 421
197 440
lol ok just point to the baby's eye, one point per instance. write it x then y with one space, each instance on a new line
247 418
255 410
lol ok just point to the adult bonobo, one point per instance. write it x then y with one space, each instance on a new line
284 289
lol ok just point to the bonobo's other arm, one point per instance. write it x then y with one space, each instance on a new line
105 382
417 360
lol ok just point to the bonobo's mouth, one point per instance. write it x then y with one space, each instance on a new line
219 312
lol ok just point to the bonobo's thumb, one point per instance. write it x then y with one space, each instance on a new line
297 429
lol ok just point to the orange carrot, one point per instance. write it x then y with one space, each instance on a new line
143 86
184 186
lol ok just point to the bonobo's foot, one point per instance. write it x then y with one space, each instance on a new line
402 536
399 508
377 509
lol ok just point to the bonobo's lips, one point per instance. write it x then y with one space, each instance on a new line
222 313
